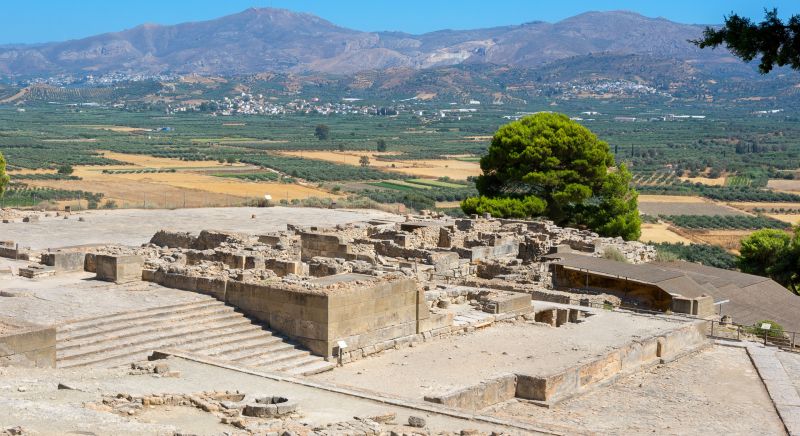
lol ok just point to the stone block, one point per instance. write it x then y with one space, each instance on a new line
65 260
119 269
562 317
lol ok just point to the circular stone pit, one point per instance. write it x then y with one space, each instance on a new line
265 406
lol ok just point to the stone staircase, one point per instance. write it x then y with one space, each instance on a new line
205 327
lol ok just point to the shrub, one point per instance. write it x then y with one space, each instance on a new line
612 253
775 331
503 207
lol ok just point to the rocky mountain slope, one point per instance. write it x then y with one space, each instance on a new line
258 40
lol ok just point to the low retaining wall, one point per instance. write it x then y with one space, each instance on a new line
27 345
559 386
10 250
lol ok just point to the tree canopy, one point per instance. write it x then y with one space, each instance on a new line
772 253
322 132
4 178
546 164
775 42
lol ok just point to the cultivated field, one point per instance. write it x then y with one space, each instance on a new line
763 205
435 168
189 186
727 239
792 219
719 181
784 185
682 205
661 232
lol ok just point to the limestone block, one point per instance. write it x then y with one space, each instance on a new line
119 269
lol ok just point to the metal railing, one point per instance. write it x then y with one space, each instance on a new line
769 337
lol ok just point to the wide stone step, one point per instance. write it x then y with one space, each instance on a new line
224 340
315 367
271 351
132 315
185 324
293 362
168 337
146 326
282 353
258 346
140 352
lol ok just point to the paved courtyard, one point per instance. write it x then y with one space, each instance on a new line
137 226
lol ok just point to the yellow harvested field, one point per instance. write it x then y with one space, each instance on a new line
120 129
660 232
188 184
31 171
141 160
719 181
448 204
727 239
785 217
433 168
670 199
763 205
71 140
784 185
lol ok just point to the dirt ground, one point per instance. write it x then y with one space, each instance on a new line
499 349
434 168
716 391
674 205
30 398
660 232
784 185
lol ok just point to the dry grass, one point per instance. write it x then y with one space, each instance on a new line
792 219
727 239
661 232
432 168
671 199
188 184
763 205
120 129
448 204
141 160
719 181
71 140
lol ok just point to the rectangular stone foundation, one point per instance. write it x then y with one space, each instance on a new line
551 389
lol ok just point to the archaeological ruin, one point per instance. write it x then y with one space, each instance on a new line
354 323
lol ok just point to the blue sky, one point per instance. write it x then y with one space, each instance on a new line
34 21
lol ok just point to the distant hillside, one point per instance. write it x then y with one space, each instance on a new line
259 40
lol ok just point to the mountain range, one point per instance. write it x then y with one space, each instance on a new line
277 40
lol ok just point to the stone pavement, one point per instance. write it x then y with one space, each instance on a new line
778 383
